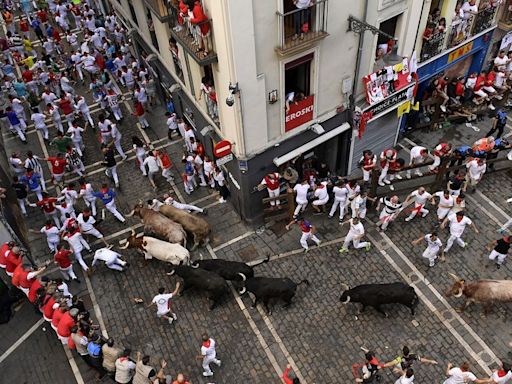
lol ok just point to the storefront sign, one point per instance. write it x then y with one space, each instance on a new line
459 52
224 160
390 102
300 113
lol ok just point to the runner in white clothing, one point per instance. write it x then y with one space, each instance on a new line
116 136
75 131
163 303
112 259
418 155
86 191
86 222
458 223
153 168
39 122
354 235
83 108
322 197
434 244
476 169
420 197
446 203
340 198
169 200
209 355
301 199
52 235
77 244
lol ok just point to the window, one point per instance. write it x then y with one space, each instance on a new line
298 91
383 42
209 94
151 28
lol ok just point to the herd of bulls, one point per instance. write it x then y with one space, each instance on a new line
170 226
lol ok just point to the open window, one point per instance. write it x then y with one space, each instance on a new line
384 44
208 93
298 91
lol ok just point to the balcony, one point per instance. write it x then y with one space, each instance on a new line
484 19
299 29
505 22
433 46
196 39
159 8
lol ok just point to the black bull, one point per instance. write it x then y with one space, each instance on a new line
375 295
229 270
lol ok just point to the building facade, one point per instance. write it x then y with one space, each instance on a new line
260 54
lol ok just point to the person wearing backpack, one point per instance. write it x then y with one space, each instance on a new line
500 121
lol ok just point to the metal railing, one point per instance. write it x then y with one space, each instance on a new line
460 31
433 46
300 26
196 38
159 8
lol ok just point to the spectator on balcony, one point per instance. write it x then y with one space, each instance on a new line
301 17
434 16
469 9
293 98
182 15
501 61
427 34
202 27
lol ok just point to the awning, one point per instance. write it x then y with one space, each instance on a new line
278 161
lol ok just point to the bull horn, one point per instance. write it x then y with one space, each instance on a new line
200 256
133 231
243 276
131 213
171 272
194 265
459 293
346 301
345 287
454 277
243 290
125 246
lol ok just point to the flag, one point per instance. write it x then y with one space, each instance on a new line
404 108
416 107
413 63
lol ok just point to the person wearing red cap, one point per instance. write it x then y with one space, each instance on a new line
499 250
13 258
208 354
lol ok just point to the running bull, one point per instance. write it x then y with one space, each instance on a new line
213 284
375 295
192 224
266 288
486 292
229 270
160 225
158 249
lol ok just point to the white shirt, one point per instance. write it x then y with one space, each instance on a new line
467 8
416 152
152 164
38 119
356 229
210 351
420 199
433 245
358 203
52 234
321 193
162 303
502 380
445 202
499 80
459 377
340 194
104 126
171 122
302 193
48 98
82 105
76 133
128 76
88 225
405 380
476 171
301 4
219 178
501 61
106 255
141 95
457 228
74 241
86 192
188 134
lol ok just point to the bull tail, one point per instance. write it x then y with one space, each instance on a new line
415 300
305 281
266 260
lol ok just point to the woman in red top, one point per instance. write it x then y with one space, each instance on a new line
33 291
12 260
200 20
48 306
57 315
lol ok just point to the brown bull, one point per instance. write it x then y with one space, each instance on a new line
160 225
192 224
486 292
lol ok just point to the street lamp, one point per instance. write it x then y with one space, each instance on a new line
393 58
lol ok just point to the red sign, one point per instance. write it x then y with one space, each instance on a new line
222 148
300 113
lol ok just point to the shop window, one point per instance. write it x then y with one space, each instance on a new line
208 93
299 91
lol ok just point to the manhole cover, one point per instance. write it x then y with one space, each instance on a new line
414 278
447 314
485 357
248 253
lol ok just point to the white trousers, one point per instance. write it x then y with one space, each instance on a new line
442 213
416 209
188 207
68 273
112 209
44 131
357 243
58 124
274 193
116 264
140 160
167 174
207 360
143 122
117 112
112 172
431 255
499 257
366 175
78 146
117 143
87 115
451 240
52 245
305 237
79 258
301 207
91 203
342 204
22 203
19 131
383 174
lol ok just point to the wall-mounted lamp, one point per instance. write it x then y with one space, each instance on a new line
233 89
272 96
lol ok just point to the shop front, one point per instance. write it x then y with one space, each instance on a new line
458 61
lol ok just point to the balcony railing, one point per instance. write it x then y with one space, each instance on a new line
300 28
484 19
159 8
433 46
460 31
196 39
